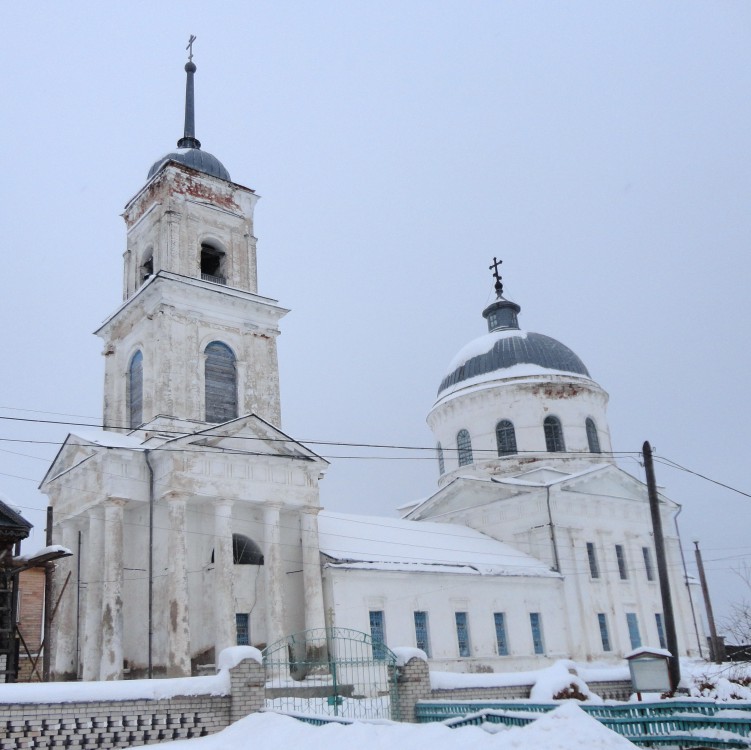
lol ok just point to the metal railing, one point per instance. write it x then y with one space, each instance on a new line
214 279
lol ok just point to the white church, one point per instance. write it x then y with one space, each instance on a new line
196 520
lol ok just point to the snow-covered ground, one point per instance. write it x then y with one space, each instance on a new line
566 728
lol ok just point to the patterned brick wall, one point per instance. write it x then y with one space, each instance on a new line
119 724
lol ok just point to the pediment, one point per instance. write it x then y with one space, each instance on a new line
610 481
248 435
463 494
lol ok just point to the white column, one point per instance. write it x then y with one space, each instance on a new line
64 666
111 663
274 576
178 658
311 570
92 623
224 600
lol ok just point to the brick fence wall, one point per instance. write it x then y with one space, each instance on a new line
122 723
413 680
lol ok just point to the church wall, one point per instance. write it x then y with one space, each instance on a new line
350 595
176 212
526 403
173 342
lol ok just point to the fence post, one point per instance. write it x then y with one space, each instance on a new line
412 681
247 680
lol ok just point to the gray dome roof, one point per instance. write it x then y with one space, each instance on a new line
500 350
194 158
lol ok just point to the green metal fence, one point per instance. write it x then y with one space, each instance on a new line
331 672
684 724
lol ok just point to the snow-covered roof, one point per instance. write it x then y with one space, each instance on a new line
373 542
106 438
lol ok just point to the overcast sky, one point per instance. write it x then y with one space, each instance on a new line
600 149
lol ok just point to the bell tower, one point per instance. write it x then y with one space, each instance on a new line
193 342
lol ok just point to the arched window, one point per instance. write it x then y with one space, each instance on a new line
212 264
505 437
221 383
441 464
147 268
592 438
554 435
135 390
464 444
244 551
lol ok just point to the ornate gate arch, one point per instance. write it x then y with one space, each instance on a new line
332 671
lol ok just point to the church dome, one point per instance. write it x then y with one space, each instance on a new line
194 158
188 151
507 351
515 351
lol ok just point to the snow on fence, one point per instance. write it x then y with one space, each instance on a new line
132 712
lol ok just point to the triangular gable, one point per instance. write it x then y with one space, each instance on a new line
611 481
249 434
464 493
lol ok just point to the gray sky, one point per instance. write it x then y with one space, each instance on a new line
600 149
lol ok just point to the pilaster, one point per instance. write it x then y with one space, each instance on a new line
224 600
111 663
178 657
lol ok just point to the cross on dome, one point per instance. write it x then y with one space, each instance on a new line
494 268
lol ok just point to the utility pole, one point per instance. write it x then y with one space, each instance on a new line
49 570
674 665
716 646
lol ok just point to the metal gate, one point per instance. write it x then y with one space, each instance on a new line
332 672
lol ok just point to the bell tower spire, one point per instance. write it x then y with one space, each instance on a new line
189 139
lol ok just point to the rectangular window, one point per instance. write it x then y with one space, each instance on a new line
594 571
462 633
621 562
648 563
242 623
377 633
660 630
535 621
500 633
604 634
422 639
633 629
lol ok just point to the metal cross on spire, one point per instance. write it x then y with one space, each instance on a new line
190 47
494 268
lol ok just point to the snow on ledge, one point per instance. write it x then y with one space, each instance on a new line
405 653
40 552
646 650
115 690
229 658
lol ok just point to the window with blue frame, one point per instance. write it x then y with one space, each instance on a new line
462 633
464 447
535 622
377 633
660 630
633 629
604 634
648 567
594 569
242 623
422 637
620 556
500 633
